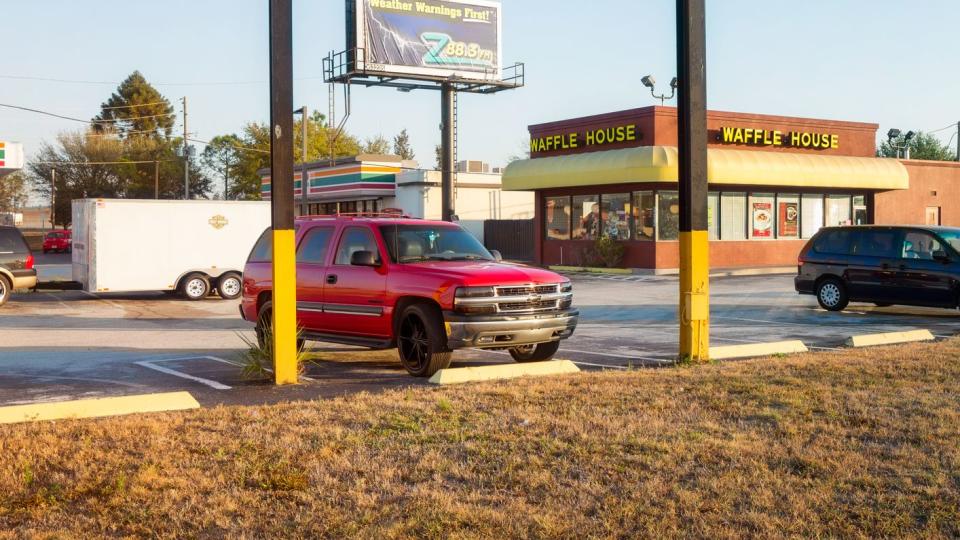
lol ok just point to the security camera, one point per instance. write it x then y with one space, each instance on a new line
649 81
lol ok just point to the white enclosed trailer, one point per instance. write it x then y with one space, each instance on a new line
191 247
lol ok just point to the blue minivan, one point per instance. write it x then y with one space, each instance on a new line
885 265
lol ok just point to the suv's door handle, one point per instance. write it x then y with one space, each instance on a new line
332 279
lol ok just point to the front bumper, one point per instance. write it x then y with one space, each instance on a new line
24 279
506 331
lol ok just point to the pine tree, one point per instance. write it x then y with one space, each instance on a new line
136 108
401 145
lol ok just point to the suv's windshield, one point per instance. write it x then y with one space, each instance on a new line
418 243
952 237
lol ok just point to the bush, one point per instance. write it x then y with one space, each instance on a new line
605 253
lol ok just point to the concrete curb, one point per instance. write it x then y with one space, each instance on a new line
96 408
757 349
503 371
617 271
890 338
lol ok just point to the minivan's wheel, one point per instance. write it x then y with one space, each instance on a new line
265 327
422 341
195 287
5 289
539 352
832 295
230 285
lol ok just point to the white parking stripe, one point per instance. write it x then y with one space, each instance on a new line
175 373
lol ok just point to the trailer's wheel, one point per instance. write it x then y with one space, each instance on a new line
230 285
5 289
195 287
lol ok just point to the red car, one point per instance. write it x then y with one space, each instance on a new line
59 241
424 287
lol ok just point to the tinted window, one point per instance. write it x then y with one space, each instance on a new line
836 242
417 243
353 240
314 247
12 242
878 243
263 250
919 245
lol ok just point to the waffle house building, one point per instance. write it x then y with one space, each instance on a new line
774 181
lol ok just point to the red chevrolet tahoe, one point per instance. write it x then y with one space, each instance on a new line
424 287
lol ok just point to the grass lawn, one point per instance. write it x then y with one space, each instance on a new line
859 443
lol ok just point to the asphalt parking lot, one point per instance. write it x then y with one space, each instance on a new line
60 345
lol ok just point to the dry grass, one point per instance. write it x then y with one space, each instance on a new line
863 443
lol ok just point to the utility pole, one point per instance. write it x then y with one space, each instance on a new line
692 138
186 154
448 203
284 302
156 179
958 141
304 182
53 198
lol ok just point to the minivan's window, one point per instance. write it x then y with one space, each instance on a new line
263 249
11 242
919 245
952 237
356 239
836 242
418 243
878 243
313 248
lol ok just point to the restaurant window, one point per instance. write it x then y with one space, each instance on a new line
615 211
348 207
586 217
838 210
860 210
556 218
788 216
733 216
644 216
713 215
811 215
668 215
761 216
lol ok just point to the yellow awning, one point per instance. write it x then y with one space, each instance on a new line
724 167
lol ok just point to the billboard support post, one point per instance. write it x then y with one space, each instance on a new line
447 113
284 303
692 143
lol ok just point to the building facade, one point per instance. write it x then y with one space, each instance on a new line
774 181
374 183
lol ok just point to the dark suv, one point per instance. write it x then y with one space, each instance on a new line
885 265
16 263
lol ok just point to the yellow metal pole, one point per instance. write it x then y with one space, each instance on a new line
694 296
285 307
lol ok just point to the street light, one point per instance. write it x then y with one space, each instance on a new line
650 83
893 134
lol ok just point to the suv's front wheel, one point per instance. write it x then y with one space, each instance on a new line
540 352
422 341
832 295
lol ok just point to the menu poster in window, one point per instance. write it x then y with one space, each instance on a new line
789 219
762 220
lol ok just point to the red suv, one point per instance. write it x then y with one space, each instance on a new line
424 287
59 241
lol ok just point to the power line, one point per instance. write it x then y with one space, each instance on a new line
953 125
237 146
213 83
138 105
89 163
38 111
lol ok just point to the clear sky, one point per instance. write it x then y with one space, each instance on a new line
889 62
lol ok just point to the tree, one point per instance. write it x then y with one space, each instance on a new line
222 156
438 150
922 146
401 145
376 145
13 192
136 108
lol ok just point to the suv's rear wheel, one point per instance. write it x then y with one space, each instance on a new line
195 287
832 295
539 352
230 285
265 327
422 342
5 290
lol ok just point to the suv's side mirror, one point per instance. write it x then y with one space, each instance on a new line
496 255
364 258
941 255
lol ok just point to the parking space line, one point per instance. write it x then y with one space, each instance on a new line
212 384
235 364
104 300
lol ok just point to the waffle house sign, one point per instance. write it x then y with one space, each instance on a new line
773 137
578 140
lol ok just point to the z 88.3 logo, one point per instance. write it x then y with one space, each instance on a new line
443 50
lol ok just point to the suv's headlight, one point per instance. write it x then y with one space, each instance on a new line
472 301
566 287
475 292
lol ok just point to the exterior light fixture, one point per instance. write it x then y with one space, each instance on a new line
650 83
905 146
893 133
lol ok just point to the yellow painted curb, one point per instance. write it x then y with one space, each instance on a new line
503 371
757 349
891 338
95 408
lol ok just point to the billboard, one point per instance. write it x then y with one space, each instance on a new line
428 38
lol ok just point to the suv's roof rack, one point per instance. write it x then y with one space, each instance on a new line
355 215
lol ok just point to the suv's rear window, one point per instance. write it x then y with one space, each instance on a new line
263 250
835 242
11 241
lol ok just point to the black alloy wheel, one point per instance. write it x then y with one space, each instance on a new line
421 341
